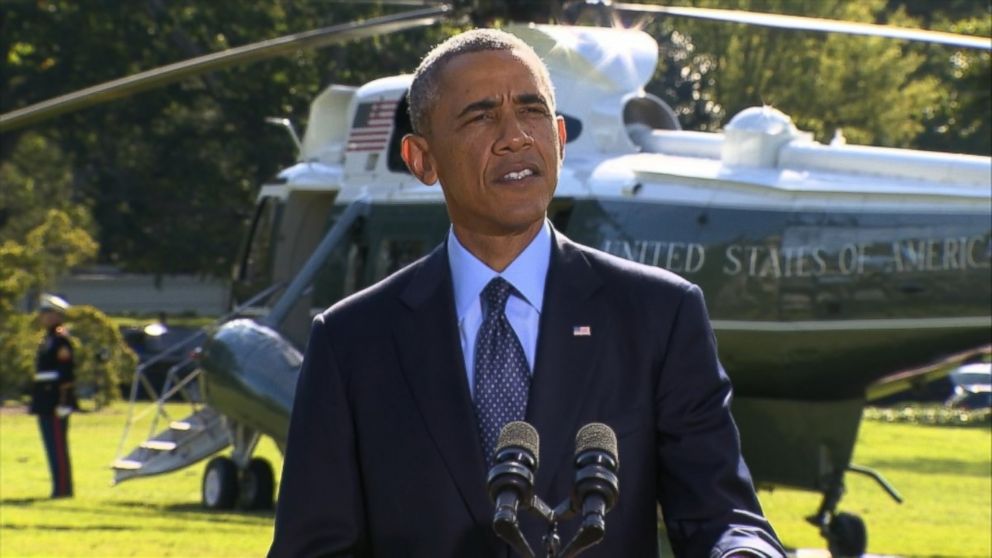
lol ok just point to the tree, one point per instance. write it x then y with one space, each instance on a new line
48 250
878 91
960 121
36 177
171 173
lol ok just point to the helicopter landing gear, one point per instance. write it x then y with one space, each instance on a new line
846 533
240 479
257 486
220 484
847 536
251 489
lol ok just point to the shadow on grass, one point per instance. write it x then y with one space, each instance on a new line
36 527
20 502
198 508
939 465
191 510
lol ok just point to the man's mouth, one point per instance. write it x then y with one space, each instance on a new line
518 175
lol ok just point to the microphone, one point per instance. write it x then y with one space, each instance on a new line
511 481
597 486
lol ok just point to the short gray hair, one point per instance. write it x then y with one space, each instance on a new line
426 80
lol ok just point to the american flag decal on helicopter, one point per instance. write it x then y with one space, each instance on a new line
371 127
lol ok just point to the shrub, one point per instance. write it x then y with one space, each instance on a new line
102 358
19 338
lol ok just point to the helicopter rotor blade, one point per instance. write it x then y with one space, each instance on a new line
271 48
802 23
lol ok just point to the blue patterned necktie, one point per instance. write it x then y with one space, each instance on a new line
502 376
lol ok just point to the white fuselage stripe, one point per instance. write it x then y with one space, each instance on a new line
854 325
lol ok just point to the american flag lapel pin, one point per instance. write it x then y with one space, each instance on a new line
581 331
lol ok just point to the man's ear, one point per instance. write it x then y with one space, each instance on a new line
562 136
417 156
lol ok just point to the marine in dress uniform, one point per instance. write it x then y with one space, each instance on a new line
53 398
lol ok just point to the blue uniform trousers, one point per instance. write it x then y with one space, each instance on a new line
55 432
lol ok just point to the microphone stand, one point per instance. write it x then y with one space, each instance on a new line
552 542
590 532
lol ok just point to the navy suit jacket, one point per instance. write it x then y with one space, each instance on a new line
384 458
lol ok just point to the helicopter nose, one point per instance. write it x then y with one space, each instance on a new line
250 375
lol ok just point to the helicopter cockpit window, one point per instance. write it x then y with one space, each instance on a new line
396 253
255 272
345 270
401 127
643 114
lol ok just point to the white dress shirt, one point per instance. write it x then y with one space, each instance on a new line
526 273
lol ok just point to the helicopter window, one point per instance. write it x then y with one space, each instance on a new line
650 111
401 127
344 272
573 127
395 253
354 278
255 272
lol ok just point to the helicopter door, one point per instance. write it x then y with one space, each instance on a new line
346 269
400 234
306 219
254 273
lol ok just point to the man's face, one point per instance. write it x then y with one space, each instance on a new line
493 143
49 318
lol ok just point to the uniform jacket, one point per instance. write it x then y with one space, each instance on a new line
383 454
54 369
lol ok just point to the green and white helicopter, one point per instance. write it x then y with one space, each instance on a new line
834 274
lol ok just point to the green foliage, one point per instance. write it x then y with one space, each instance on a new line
58 246
935 415
49 249
876 90
167 169
960 120
869 87
103 359
37 176
43 231
19 339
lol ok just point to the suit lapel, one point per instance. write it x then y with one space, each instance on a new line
432 361
573 326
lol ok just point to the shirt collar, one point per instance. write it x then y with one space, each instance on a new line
526 273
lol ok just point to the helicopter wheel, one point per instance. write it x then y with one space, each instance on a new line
847 536
220 484
257 486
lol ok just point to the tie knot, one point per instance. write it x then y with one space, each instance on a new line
495 295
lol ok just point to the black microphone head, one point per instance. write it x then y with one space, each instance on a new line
519 434
597 436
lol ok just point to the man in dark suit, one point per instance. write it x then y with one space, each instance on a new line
404 384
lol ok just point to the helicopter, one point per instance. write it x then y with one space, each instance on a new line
834 274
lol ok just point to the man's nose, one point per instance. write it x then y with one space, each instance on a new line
514 135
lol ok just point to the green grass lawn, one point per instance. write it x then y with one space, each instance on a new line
944 475
158 516
943 472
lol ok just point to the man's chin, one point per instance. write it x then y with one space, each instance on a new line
506 227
